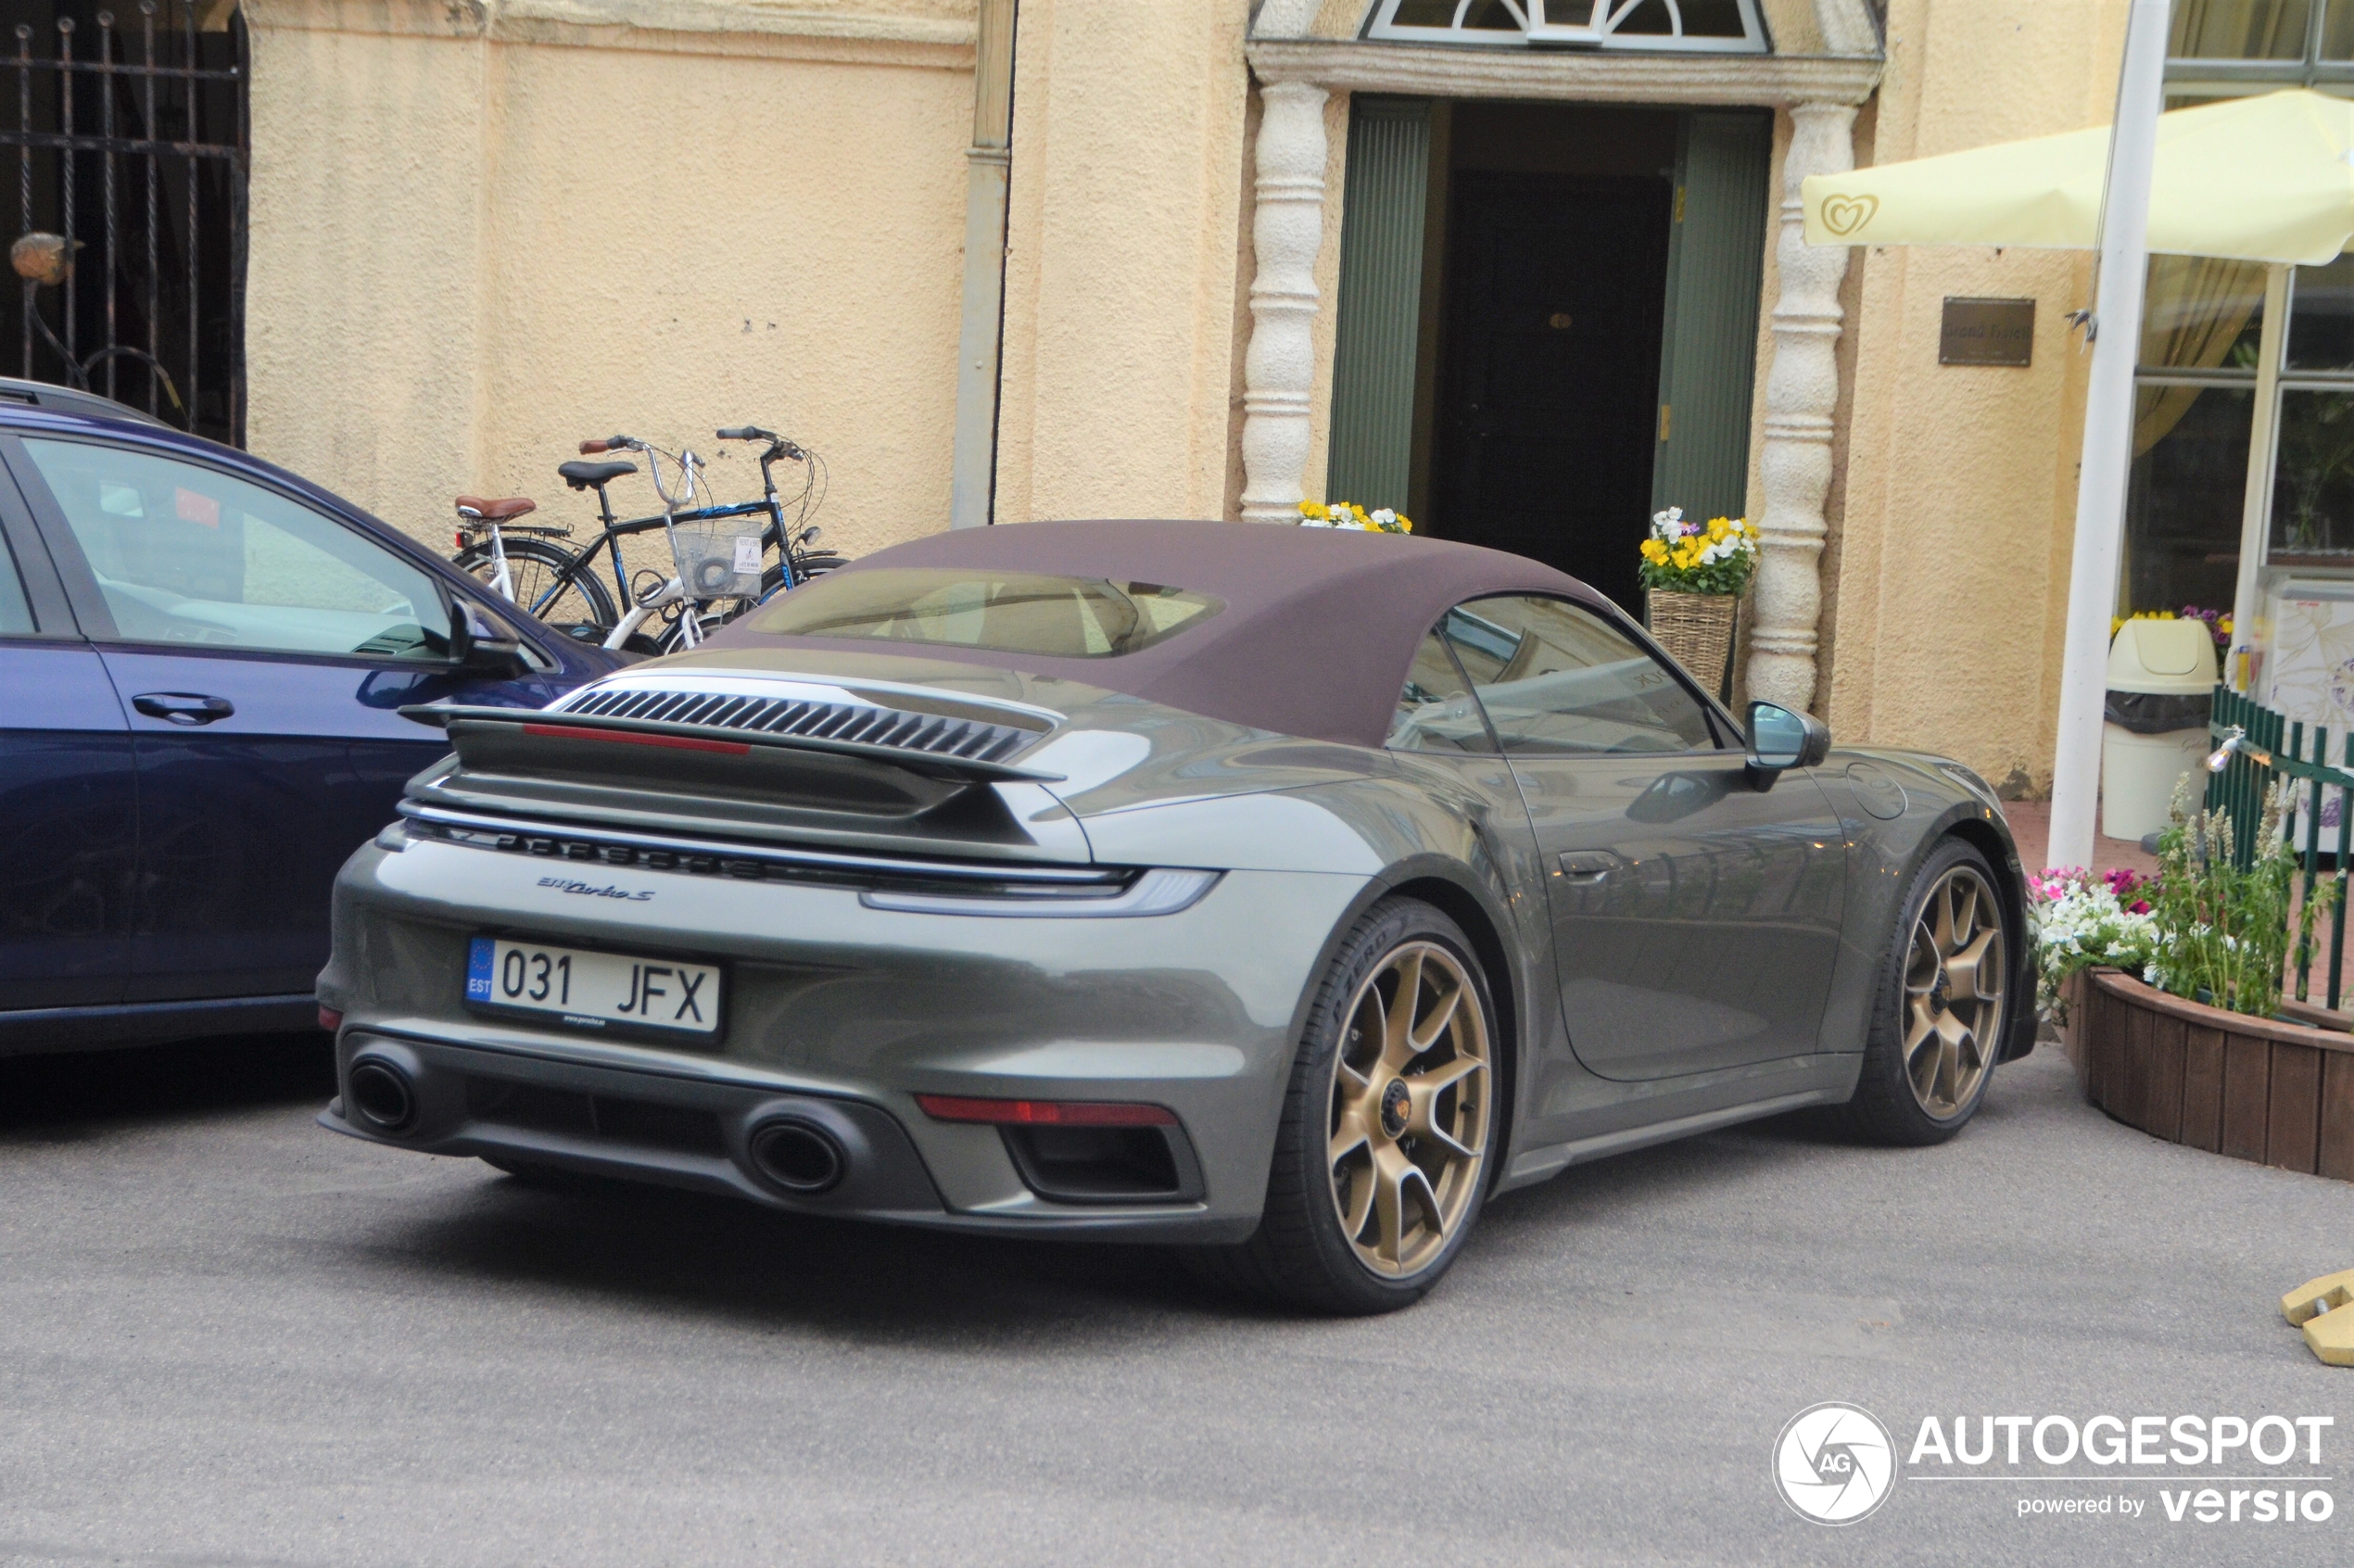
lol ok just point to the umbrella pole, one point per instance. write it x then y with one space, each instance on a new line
2109 436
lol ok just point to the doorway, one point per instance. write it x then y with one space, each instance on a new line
1556 284
1546 327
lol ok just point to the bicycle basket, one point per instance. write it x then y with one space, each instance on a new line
719 558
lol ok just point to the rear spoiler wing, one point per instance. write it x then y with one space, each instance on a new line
459 719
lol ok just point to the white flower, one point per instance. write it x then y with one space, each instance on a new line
1386 515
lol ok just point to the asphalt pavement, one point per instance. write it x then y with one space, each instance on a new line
228 1336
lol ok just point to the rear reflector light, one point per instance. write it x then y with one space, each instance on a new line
678 742
329 1019
1045 1113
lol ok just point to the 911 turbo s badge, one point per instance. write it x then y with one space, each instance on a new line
590 889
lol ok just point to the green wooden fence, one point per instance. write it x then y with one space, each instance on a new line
2264 746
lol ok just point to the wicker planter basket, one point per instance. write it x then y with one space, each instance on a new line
1698 629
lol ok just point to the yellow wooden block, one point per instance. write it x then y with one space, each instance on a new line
2331 1336
2317 1296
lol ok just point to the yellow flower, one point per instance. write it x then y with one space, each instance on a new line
1654 551
1309 509
1405 524
1718 528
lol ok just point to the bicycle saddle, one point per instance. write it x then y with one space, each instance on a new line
496 511
580 475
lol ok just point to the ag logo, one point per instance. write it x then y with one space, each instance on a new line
1834 1463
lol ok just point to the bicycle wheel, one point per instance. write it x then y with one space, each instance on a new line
815 563
537 569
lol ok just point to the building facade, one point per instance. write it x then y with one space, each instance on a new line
1527 269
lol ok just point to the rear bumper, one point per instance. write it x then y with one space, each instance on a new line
698 1133
859 1009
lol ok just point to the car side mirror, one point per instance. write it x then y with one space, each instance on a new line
482 644
1779 740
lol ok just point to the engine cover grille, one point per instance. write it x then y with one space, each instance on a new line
830 721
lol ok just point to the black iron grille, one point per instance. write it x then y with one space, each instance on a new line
826 721
131 168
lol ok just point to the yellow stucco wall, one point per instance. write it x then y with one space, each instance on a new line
480 234
480 237
1120 300
1960 483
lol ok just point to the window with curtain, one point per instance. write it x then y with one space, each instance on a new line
2195 387
2256 41
2313 461
2193 414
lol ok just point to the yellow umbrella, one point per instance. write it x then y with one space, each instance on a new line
2261 179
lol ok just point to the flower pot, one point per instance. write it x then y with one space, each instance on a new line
2256 1089
1696 628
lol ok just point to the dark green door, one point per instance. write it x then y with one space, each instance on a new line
1708 351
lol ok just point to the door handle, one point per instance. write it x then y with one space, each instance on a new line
1589 866
182 707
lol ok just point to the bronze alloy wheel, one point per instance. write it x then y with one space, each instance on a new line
1409 1116
1954 991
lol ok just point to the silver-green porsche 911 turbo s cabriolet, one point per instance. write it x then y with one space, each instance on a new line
1276 893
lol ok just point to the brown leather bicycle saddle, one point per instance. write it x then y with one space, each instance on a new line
496 510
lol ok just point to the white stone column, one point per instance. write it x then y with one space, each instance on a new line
1802 391
1279 372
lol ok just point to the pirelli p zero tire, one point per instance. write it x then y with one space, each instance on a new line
1389 1128
1939 1020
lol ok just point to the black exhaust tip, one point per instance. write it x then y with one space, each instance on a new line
800 1156
382 1093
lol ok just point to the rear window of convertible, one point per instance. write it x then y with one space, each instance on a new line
1003 612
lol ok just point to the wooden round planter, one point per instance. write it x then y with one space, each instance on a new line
2277 1093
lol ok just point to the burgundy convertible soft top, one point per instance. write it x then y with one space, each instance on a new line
1319 628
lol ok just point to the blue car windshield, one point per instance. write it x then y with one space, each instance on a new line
1002 611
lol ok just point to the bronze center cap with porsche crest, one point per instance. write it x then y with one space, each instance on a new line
1397 1105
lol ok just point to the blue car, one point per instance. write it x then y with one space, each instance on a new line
202 663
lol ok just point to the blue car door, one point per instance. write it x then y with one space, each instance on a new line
69 805
260 646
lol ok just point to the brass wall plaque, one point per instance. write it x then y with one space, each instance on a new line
1987 332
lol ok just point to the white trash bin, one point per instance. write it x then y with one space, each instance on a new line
2161 681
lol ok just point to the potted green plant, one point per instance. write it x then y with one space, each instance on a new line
1693 576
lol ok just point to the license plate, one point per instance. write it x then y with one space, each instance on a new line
593 989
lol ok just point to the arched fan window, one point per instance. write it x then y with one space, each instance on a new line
1715 26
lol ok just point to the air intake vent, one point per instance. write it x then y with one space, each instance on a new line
826 721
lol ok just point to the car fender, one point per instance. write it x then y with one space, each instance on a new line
1937 799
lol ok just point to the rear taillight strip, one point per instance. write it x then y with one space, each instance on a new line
664 852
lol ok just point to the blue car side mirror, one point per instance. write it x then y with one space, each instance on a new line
482 644
1779 740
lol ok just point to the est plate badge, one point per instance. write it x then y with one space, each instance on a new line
589 989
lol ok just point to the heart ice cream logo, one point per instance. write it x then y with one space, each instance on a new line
1843 215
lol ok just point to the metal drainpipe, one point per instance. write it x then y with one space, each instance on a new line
973 477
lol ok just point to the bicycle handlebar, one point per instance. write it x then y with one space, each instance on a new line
611 444
745 433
